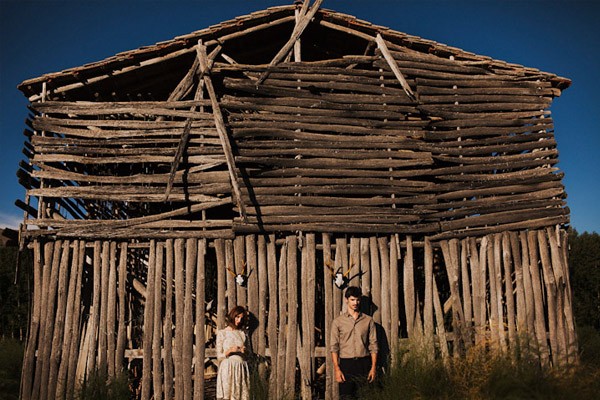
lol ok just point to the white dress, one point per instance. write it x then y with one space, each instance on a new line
233 379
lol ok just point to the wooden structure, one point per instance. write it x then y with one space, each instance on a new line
284 146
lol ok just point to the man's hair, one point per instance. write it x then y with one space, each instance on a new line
353 291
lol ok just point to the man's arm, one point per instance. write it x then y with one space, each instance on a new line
339 375
373 349
373 370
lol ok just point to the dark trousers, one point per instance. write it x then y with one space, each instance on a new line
356 371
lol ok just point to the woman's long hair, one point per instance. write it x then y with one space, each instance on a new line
234 312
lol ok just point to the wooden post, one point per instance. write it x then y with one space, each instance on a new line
102 339
273 312
148 324
168 321
394 299
292 321
34 326
157 325
75 326
439 319
527 286
375 279
191 255
200 348
409 287
241 267
384 256
520 286
508 291
262 298
45 346
540 320
329 381
221 282
428 304
179 311
556 349
232 299
466 287
283 316
354 274
365 269
59 325
252 291
111 318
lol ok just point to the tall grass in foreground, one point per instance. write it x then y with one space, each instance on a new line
487 374
97 386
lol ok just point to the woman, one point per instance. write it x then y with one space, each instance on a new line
233 379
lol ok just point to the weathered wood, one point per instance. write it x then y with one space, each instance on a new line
221 130
221 282
395 299
292 313
231 292
439 319
428 301
540 319
283 317
179 258
466 287
263 289
329 315
74 351
59 324
409 288
121 298
240 266
148 324
102 338
556 351
384 257
168 321
200 320
509 299
272 275
191 254
95 311
375 279
252 288
157 324
111 317
301 24
392 63
34 327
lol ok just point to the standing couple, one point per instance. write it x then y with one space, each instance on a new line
353 351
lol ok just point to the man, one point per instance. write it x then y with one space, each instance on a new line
353 346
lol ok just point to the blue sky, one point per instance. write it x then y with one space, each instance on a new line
38 37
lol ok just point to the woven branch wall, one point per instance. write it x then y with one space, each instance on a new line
157 303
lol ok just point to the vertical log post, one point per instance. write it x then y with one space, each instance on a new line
148 324
168 321
200 348
157 326
273 313
292 320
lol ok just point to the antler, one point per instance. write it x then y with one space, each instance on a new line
232 272
331 270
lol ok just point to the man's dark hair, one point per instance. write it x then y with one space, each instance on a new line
353 291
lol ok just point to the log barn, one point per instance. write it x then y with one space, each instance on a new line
257 160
